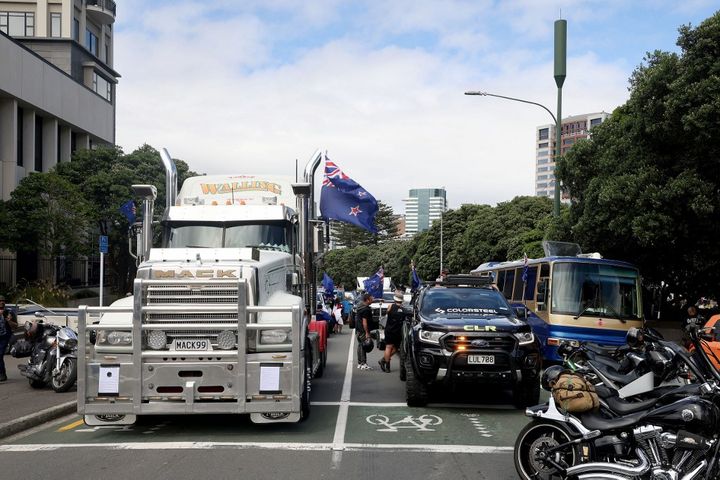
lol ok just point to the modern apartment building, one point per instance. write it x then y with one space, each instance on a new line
57 84
422 207
573 129
57 95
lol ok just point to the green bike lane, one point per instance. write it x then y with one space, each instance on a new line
351 410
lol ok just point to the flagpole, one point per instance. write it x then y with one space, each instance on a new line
441 243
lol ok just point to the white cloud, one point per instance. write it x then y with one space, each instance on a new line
211 90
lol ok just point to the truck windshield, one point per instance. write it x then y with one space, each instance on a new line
463 301
270 236
595 290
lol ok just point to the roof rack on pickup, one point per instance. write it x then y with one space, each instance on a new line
463 280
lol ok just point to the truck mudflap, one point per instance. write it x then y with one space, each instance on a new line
121 376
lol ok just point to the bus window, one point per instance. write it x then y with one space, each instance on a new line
518 290
544 270
530 283
500 279
509 279
542 294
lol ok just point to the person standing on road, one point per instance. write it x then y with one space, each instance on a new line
393 331
363 322
8 323
337 315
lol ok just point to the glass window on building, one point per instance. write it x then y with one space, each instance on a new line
542 169
595 121
568 141
542 160
542 177
543 145
55 25
91 42
76 30
17 24
542 153
20 127
102 87
543 134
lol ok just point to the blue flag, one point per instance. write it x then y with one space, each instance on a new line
374 285
328 285
128 209
343 199
416 282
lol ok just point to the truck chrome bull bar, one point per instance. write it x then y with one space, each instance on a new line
230 365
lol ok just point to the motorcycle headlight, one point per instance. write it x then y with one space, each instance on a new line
274 336
524 338
67 343
431 336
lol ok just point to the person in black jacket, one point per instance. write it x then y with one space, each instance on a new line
393 331
363 325
8 323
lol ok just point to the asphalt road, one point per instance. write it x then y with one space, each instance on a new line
359 428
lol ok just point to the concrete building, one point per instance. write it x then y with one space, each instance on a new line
57 88
573 129
422 207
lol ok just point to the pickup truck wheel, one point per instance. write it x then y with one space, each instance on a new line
527 393
403 371
416 391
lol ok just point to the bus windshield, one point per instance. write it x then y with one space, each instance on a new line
270 236
596 290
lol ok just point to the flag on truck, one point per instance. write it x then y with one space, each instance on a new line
128 209
328 285
374 285
343 199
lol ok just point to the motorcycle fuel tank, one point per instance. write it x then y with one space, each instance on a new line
692 413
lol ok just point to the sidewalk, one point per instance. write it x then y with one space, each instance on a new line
24 407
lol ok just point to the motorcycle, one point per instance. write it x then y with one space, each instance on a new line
52 355
667 438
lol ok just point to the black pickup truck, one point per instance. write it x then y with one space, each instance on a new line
463 330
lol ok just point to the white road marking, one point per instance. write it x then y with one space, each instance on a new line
361 404
341 423
430 448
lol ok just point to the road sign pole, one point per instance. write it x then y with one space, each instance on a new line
102 276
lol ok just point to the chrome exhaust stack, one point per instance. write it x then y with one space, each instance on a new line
598 469
171 181
148 193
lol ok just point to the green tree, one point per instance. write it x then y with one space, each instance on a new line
645 187
46 214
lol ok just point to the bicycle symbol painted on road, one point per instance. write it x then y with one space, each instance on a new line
419 424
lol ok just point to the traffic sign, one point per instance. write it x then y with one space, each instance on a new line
103 244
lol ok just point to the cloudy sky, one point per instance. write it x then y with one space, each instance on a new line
249 86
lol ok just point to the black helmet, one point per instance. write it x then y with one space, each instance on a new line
368 345
550 376
634 337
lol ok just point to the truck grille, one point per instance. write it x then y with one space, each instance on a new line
174 294
482 341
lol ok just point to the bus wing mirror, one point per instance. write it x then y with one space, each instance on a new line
542 292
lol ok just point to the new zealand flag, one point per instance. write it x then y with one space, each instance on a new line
328 285
343 199
416 282
374 285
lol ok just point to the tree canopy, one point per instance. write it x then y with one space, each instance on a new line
645 187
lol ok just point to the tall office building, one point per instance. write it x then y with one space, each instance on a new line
422 207
57 95
57 84
573 129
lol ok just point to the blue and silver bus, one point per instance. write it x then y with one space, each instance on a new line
572 299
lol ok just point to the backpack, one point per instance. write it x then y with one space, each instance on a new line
573 394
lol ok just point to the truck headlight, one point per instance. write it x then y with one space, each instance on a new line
431 336
274 336
113 338
524 338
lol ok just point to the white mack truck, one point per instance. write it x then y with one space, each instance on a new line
216 322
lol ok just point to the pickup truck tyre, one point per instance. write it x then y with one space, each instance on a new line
416 391
527 393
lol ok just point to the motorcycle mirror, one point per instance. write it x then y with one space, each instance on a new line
39 315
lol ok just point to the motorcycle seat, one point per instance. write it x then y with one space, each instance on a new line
601 349
594 421
612 374
623 407
598 358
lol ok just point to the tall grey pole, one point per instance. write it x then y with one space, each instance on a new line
560 73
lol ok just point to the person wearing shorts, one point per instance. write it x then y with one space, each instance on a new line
393 331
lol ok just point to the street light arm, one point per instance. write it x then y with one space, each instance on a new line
486 94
